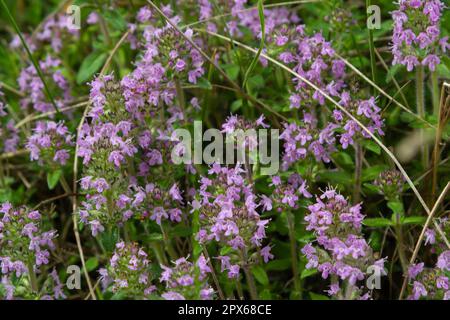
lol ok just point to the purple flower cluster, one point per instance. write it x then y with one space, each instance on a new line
54 30
24 246
50 143
285 196
390 183
181 280
128 271
416 39
314 59
341 252
167 59
301 141
32 87
8 133
241 17
430 283
228 215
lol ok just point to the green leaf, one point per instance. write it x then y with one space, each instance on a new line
231 70
261 44
372 146
372 173
316 296
260 275
265 295
181 231
396 207
236 105
377 222
278 265
115 20
308 273
414 220
392 72
53 178
204 84
155 237
91 64
91 264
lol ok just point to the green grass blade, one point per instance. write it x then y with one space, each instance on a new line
35 64
261 45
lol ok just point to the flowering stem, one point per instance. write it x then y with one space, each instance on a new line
239 290
294 258
180 97
250 282
435 93
358 170
213 273
33 280
168 245
420 97
400 244
371 49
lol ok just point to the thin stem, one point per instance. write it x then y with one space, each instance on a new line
436 151
213 273
250 282
358 171
33 279
11 89
168 245
420 104
294 257
372 50
212 62
422 234
400 244
435 93
239 290
348 114
35 64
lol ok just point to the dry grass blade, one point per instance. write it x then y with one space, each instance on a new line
11 89
348 114
382 91
422 234
33 117
400 90
272 5
75 171
213 63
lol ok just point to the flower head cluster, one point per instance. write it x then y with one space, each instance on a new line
181 279
54 30
313 58
228 215
23 243
341 250
168 60
303 140
128 271
243 18
366 111
416 39
115 142
431 283
9 135
286 195
33 88
50 143
390 183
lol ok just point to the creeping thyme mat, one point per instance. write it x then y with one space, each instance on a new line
225 149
